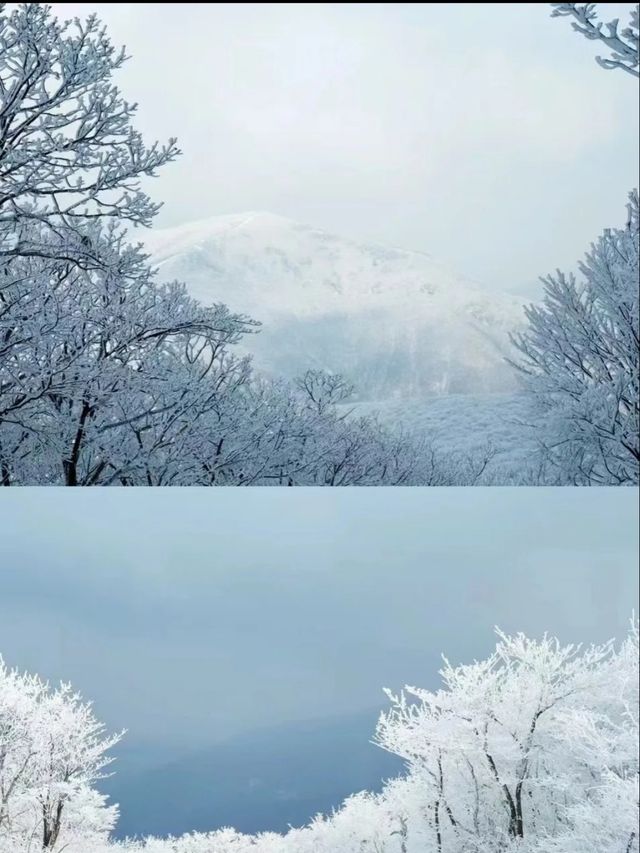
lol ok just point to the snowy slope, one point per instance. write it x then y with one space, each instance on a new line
461 424
396 322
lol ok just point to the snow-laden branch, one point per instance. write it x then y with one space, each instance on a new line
68 151
623 44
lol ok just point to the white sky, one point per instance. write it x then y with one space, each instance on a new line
484 134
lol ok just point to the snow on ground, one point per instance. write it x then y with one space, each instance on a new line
465 423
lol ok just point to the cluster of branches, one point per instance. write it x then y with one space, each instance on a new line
108 377
580 358
534 750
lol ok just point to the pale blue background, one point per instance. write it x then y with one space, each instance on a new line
191 615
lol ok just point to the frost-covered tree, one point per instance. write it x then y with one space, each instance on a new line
579 356
52 751
70 163
324 389
624 45
500 750
69 154
106 359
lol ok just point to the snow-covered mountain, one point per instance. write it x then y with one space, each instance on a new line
395 322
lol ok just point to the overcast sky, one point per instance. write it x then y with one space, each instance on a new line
484 134
192 615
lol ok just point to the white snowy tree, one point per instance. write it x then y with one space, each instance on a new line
580 358
500 751
68 152
106 362
52 751
70 162
579 355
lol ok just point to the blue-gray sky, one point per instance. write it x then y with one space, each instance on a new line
484 134
192 615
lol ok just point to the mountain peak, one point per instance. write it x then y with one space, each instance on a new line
378 314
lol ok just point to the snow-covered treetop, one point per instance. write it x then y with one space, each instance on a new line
68 152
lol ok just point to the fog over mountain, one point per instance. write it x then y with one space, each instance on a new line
397 323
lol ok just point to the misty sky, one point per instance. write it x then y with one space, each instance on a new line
483 134
191 615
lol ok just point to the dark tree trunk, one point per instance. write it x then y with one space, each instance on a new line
70 465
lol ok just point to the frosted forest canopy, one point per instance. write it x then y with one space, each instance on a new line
111 376
534 749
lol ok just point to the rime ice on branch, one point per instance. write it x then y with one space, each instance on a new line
623 44
69 155
580 357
